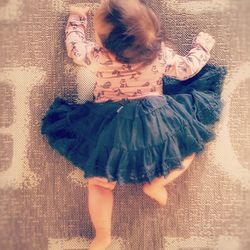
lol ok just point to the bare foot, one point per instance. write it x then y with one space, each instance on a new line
158 193
100 243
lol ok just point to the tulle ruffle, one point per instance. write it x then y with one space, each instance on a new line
133 141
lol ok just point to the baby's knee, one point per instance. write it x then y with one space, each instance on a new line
101 182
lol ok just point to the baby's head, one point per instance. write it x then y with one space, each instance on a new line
129 30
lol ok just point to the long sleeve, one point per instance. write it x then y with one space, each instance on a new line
78 47
184 67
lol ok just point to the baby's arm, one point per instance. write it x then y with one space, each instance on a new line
184 67
78 47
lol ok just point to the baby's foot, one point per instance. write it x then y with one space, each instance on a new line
158 193
100 243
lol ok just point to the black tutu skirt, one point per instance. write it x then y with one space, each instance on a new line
133 141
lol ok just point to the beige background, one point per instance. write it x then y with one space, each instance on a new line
43 198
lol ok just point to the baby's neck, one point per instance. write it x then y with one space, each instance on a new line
109 54
113 57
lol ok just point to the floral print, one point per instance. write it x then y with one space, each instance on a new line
115 80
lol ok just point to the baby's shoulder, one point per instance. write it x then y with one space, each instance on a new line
101 55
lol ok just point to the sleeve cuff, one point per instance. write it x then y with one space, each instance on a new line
204 40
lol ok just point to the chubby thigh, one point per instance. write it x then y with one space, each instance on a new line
102 182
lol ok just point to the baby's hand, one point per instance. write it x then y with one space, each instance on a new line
79 10
205 40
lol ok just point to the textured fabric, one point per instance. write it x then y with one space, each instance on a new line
133 141
115 80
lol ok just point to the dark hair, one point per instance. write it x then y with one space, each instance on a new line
135 36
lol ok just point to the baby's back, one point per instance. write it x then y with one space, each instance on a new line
115 80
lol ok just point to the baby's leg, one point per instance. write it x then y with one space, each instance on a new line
156 192
156 189
175 172
100 202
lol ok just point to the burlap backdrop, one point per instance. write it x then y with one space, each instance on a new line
43 201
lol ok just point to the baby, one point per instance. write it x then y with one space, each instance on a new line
131 43
130 59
